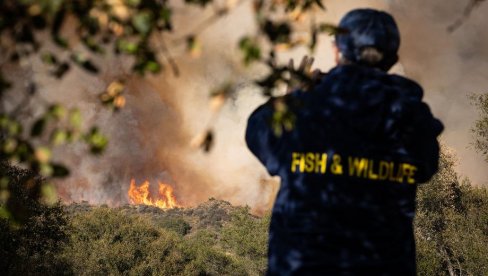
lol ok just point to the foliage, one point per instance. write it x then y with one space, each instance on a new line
247 236
178 225
451 233
106 241
480 129
451 225
31 242
66 34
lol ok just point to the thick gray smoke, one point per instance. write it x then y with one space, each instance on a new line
150 137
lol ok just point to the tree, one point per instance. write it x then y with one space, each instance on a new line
451 223
480 128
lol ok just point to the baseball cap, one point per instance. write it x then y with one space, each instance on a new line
369 28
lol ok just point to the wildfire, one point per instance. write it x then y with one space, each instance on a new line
141 195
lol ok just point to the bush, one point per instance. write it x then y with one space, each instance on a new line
178 225
451 225
32 239
247 236
105 241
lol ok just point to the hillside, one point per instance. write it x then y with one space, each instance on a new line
216 238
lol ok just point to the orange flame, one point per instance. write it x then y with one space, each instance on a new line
142 195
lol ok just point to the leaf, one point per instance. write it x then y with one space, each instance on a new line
75 118
85 63
147 62
332 29
164 21
59 170
193 46
5 213
152 66
96 140
127 47
277 32
142 22
45 169
56 27
38 127
320 4
14 128
43 154
49 194
49 58
4 84
9 145
60 70
59 137
133 3
56 111
201 3
204 140
92 44
250 49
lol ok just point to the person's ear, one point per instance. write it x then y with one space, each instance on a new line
337 53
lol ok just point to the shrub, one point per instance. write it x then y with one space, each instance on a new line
32 239
105 241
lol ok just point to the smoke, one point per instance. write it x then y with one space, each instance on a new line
450 66
150 137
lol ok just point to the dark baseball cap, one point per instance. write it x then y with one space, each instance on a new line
369 28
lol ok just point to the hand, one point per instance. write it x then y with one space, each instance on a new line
298 76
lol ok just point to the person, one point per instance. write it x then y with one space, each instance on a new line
361 141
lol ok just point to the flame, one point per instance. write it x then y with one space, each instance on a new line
141 195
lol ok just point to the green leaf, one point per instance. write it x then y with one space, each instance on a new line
4 121
75 118
165 16
56 111
5 213
133 3
14 128
96 140
332 29
142 22
9 145
49 194
59 137
127 46
152 66
250 49
92 44
49 58
46 170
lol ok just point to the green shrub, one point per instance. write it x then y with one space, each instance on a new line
178 225
247 236
106 241
451 225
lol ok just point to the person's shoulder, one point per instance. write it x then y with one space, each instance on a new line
406 85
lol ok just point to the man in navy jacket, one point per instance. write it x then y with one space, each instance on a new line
361 141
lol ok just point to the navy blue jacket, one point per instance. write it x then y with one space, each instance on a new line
361 142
